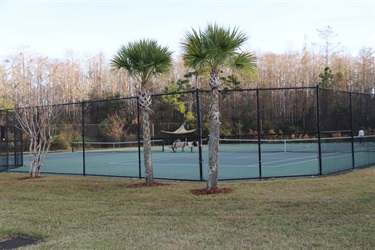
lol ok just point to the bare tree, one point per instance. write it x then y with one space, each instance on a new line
39 123
34 96
5 101
329 47
115 126
366 69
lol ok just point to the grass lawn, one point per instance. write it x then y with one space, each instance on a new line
69 212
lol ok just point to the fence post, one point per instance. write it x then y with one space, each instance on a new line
83 139
199 135
318 127
6 129
259 134
351 128
14 141
18 142
2 140
139 141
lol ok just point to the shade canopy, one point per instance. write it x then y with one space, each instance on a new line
180 131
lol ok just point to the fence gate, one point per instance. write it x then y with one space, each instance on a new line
11 152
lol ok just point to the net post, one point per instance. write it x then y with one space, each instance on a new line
162 145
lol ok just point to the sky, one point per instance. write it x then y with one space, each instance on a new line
87 27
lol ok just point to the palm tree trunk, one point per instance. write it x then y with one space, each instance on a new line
213 143
147 147
145 103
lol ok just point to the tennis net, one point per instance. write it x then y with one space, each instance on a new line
308 145
117 147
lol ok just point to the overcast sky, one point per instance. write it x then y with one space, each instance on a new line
87 27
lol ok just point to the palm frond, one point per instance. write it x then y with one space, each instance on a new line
243 61
215 47
193 50
143 59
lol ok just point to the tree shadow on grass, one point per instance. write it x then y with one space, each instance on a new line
143 185
193 191
30 178
209 192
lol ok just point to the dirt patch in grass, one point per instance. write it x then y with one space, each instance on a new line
214 191
142 185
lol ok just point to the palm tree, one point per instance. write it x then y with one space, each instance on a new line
144 60
213 50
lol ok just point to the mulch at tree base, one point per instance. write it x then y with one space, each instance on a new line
214 191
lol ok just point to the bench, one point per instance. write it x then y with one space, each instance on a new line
182 145
177 145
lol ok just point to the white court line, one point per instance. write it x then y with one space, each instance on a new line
256 165
287 160
154 160
178 164
277 166
248 166
268 153
285 164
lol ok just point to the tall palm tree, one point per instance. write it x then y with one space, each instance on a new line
144 60
213 50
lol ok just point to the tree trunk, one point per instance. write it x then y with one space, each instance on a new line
145 103
213 143
37 154
147 147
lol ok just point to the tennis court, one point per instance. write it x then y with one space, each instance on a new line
266 133
239 159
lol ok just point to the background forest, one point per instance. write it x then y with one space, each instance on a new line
32 79
77 78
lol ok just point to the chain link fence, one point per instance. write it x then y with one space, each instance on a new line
265 133
11 153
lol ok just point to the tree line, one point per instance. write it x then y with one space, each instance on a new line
76 78
212 60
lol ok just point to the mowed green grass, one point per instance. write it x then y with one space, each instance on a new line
68 212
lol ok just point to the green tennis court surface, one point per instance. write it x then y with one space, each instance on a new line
237 160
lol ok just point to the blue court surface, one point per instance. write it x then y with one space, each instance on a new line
236 161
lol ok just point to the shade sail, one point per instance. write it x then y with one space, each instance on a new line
180 131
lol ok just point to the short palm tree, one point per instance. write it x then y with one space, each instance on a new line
212 50
144 60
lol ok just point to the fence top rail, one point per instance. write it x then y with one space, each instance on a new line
177 93
293 140
346 91
115 142
267 89
191 91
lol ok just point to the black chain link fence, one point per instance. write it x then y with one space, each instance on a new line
11 153
265 133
